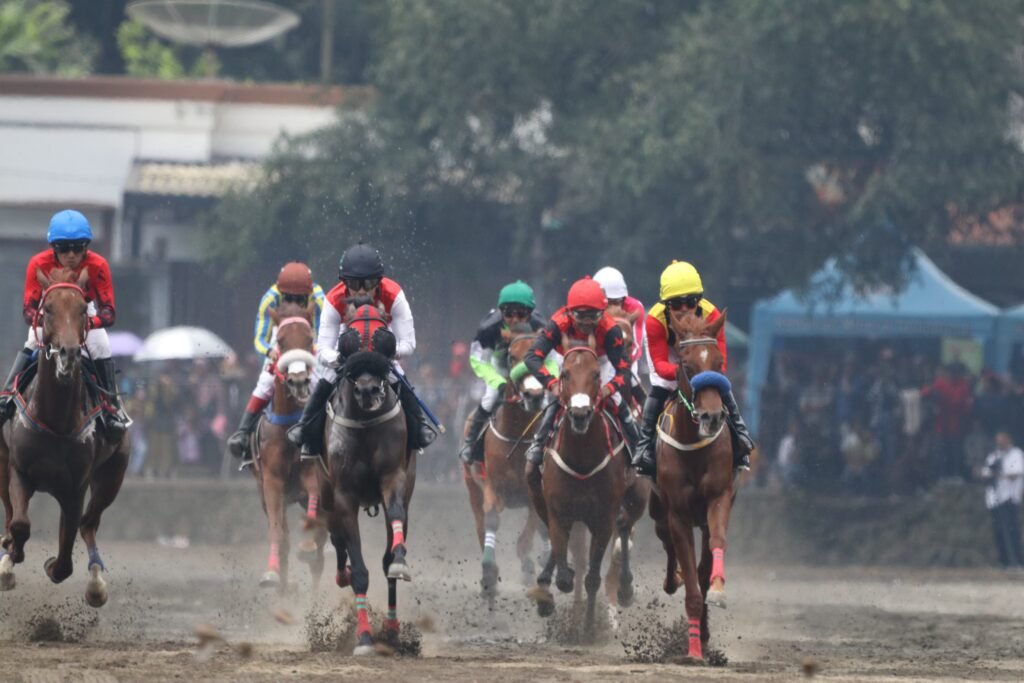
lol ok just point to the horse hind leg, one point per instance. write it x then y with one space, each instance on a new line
489 563
20 526
310 548
524 544
704 579
103 489
598 546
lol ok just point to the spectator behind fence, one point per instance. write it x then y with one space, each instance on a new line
1003 474
950 394
164 402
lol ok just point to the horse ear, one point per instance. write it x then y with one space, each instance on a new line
83 278
716 326
42 279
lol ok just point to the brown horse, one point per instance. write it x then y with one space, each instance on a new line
280 476
501 482
53 445
695 486
584 480
371 465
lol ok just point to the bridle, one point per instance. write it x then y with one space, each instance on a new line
37 317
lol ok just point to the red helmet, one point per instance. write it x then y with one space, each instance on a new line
295 278
586 293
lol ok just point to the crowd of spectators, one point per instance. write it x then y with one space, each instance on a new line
881 421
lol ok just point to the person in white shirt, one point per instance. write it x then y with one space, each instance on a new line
1003 473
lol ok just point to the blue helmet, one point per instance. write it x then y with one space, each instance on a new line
68 225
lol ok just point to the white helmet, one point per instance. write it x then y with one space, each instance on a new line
612 282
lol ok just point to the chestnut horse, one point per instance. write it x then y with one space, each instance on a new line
584 480
280 476
370 465
501 482
53 445
695 482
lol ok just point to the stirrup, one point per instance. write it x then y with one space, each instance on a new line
246 462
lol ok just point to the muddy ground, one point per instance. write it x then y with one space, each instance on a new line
783 622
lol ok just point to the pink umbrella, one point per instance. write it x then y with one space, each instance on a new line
124 343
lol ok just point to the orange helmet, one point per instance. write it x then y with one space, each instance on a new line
295 278
586 293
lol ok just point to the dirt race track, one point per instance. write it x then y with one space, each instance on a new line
783 622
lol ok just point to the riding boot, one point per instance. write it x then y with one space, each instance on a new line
421 431
238 443
742 443
535 453
473 449
644 456
106 375
21 361
308 431
629 428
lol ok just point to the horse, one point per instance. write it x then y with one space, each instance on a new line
695 482
53 445
501 482
281 477
371 465
584 480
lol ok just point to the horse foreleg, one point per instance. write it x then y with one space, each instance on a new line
704 579
476 503
20 527
273 495
343 575
103 489
682 539
309 547
360 576
600 534
391 625
60 567
5 495
524 544
560 532
492 520
393 494
316 565
672 575
718 525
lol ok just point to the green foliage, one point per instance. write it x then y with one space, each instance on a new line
145 55
35 37
755 139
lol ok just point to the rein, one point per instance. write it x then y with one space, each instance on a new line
583 476
38 426
690 408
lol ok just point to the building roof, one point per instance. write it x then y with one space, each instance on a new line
191 180
119 87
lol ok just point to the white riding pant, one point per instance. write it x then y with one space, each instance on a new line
265 384
97 343
490 398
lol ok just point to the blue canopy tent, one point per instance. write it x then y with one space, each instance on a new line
1009 333
931 305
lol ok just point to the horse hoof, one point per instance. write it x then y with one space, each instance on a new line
343 578
307 551
7 580
48 568
364 648
625 595
566 582
96 589
399 570
270 579
716 598
545 601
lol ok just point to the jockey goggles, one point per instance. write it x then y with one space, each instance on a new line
586 315
679 302
361 284
300 299
512 311
77 246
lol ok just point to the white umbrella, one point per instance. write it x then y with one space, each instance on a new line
182 342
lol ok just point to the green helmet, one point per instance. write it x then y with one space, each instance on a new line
517 292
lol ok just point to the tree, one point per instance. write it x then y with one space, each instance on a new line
35 37
755 139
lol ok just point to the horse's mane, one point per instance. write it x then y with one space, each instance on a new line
690 325
366 362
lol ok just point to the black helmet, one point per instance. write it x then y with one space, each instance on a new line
361 260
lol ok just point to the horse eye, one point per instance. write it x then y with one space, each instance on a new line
597 375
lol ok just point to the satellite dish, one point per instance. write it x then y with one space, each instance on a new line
221 23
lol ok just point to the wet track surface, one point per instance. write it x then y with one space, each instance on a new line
782 621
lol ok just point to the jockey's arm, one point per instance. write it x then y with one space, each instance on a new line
327 336
33 293
480 359
101 291
546 342
657 350
319 299
264 324
402 326
615 350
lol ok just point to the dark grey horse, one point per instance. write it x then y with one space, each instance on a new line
371 465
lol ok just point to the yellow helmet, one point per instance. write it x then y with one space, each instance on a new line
679 279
